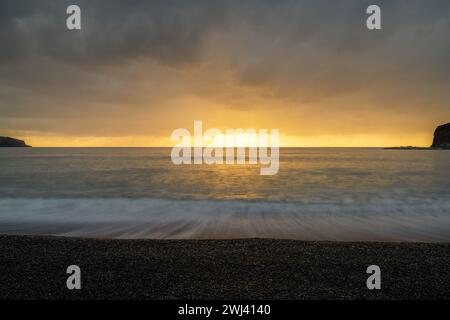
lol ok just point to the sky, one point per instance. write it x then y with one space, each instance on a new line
138 70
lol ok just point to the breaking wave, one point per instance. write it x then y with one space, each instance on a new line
383 220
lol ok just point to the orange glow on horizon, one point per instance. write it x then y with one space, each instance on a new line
356 140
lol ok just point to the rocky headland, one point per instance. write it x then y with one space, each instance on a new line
12 143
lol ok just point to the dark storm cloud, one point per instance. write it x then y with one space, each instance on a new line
171 31
133 54
47 71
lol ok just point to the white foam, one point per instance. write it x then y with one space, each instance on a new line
384 220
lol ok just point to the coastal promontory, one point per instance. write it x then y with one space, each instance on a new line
441 140
11 142
442 137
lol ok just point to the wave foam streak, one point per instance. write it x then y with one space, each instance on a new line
385 220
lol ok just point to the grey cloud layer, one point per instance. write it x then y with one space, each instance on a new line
170 31
310 54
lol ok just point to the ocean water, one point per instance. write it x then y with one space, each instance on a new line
344 194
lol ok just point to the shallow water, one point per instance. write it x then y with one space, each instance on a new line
318 194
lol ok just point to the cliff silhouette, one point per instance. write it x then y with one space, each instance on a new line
12 143
442 137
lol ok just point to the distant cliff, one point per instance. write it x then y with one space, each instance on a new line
11 142
442 137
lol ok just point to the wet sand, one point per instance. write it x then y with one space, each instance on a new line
34 267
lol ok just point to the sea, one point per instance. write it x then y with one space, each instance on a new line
326 194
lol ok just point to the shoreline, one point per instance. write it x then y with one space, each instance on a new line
34 267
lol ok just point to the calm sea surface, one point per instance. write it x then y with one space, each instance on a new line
318 194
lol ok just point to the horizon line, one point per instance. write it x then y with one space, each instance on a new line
289 147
